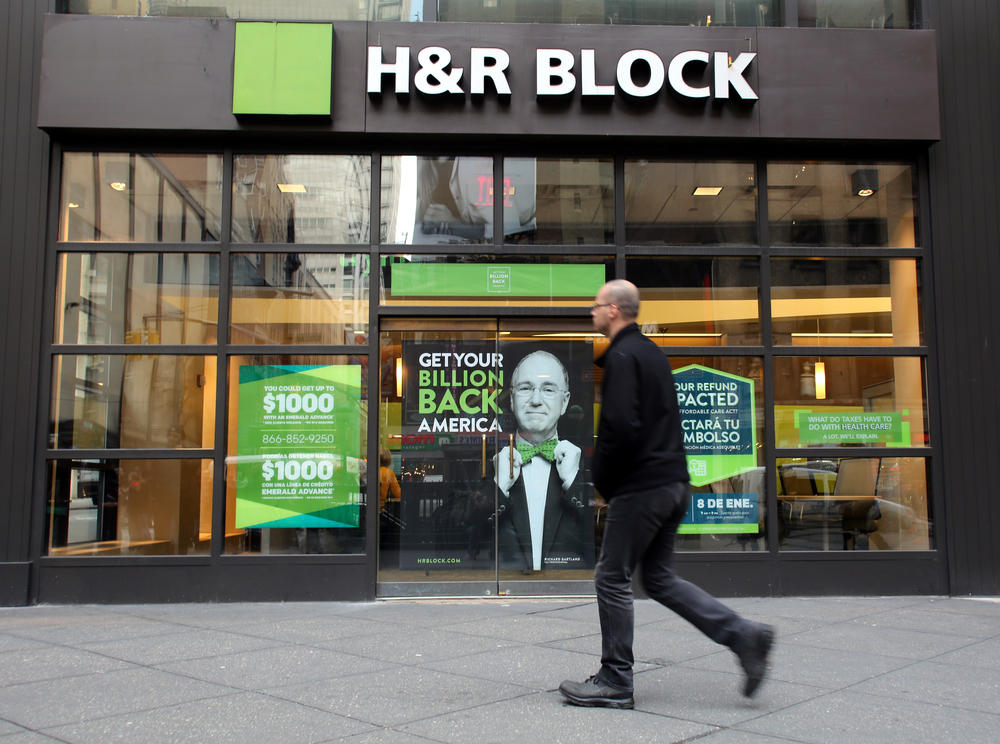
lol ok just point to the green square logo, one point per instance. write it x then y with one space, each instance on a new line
498 279
283 68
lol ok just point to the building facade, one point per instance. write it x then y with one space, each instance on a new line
804 192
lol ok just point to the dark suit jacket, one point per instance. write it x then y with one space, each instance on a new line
568 534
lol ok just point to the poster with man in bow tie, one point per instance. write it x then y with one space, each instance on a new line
495 450
545 518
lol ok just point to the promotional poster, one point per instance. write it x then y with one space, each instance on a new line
495 455
298 446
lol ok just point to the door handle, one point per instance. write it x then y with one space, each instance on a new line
510 451
483 476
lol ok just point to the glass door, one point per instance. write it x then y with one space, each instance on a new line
486 429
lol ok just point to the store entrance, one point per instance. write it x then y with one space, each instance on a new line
486 431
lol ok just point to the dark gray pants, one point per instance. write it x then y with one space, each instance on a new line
641 528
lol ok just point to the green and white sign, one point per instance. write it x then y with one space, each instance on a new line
863 427
719 422
298 446
483 280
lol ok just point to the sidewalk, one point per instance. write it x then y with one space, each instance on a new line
882 670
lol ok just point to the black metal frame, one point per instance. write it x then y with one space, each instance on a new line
787 572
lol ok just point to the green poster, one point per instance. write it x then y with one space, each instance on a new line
298 446
862 427
487 280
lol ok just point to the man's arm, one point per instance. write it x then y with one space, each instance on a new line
621 429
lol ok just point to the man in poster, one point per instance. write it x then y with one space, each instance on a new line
544 518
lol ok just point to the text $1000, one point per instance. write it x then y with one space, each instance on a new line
295 470
295 402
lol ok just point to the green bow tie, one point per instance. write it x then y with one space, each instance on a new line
545 449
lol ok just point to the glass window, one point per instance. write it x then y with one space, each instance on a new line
842 204
110 401
838 302
850 402
688 203
853 503
144 198
859 13
488 280
436 200
296 474
552 201
698 301
299 298
302 10
301 199
129 507
137 298
616 12
722 414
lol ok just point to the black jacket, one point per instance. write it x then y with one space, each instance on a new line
640 444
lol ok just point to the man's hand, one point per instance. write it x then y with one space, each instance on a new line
501 467
567 462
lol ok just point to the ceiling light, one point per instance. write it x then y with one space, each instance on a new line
291 188
864 181
866 192
116 175
707 191
118 185
73 205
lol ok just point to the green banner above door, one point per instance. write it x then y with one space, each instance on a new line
499 280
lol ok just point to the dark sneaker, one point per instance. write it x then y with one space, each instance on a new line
755 657
596 694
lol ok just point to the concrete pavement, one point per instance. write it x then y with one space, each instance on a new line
846 670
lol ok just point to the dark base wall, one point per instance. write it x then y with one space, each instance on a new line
14 580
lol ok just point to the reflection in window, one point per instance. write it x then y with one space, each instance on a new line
129 507
548 201
301 10
615 12
849 401
110 401
698 301
729 504
301 199
857 503
137 298
296 458
437 200
146 198
859 14
835 302
299 298
842 204
490 280
687 203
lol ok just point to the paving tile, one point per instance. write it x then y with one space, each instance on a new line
957 687
400 647
55 702
524 629
397 696
938 621
236 719
534 667
866 636
982 655
831 669
651 645
849 718
382 736
712 698
88 628
311 630
6 727
42 615
28 737
52 662
437 613
546 717
274 667
19 643
986 606
190 643
732 736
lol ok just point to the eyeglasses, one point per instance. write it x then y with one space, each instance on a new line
547 391
595 305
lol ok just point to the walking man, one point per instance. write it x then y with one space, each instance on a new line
640 468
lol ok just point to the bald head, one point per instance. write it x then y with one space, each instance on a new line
625 295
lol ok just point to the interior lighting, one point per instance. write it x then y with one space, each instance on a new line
707 191
399 377
118 185
291 188
864 181
820 371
